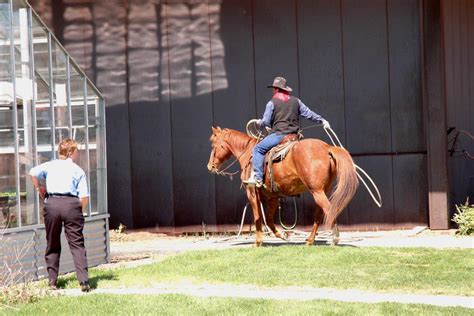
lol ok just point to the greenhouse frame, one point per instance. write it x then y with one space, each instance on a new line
44 98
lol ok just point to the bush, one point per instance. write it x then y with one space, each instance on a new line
464 217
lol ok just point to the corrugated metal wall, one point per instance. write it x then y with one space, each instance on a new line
23 251
171 69
459 67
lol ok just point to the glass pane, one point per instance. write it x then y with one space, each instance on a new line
4 13
92 105
93 183
8 201
24 96
18 6
101 158
41 78
77 98
82 161
61 113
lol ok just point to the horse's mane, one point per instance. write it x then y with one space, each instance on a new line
236 139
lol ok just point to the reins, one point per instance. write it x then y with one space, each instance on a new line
224 172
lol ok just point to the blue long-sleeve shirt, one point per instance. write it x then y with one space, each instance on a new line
303 110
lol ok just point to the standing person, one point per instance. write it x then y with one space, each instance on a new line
282 115
66 195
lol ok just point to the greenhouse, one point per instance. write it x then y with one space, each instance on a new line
44 98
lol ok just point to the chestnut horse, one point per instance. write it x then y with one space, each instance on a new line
311 165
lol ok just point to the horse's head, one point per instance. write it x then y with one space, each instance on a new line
220 150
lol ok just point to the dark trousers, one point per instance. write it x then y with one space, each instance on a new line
59 210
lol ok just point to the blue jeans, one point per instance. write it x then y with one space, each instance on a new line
260 150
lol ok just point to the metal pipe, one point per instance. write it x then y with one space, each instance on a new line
34 133
15 117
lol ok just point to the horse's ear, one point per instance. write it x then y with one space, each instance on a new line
214 130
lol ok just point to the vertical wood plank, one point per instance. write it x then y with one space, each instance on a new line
435 114
234 99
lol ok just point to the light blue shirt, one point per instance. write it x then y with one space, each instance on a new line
304 112
62 176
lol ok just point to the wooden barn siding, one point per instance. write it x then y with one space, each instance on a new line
357 63
459 67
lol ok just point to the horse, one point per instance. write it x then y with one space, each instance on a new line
310 165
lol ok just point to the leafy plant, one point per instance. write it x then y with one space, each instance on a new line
120 229
464 217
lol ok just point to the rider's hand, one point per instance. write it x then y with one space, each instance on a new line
259 122
326 124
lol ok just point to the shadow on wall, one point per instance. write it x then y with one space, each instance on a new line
164 55
145 38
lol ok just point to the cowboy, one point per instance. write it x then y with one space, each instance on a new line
282 115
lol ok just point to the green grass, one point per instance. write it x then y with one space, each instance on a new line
403 270
186 305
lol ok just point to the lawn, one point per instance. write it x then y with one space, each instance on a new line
404 270
186 305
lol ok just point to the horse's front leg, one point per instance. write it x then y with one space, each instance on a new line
255 204
272 206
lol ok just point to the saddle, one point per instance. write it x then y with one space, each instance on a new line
279 153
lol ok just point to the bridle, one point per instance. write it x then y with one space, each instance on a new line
223 172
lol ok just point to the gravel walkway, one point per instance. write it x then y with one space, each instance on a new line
417 237
284 293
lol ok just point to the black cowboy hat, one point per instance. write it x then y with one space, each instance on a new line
280 83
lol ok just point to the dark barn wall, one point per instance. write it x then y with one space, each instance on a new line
459 60
171 69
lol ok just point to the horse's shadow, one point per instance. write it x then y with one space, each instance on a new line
281 243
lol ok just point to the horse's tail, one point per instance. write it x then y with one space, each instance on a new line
346 183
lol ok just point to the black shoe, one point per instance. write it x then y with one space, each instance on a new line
52 285
85 286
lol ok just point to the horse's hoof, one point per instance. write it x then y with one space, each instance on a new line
283 236
309 243
334 242
258 244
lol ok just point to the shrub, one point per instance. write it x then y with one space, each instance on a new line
464 217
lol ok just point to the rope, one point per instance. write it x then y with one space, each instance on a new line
296 215
377 202
262 132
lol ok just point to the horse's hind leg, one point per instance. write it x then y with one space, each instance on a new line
272 205
318 219
323 202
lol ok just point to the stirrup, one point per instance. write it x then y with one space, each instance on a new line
252 182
